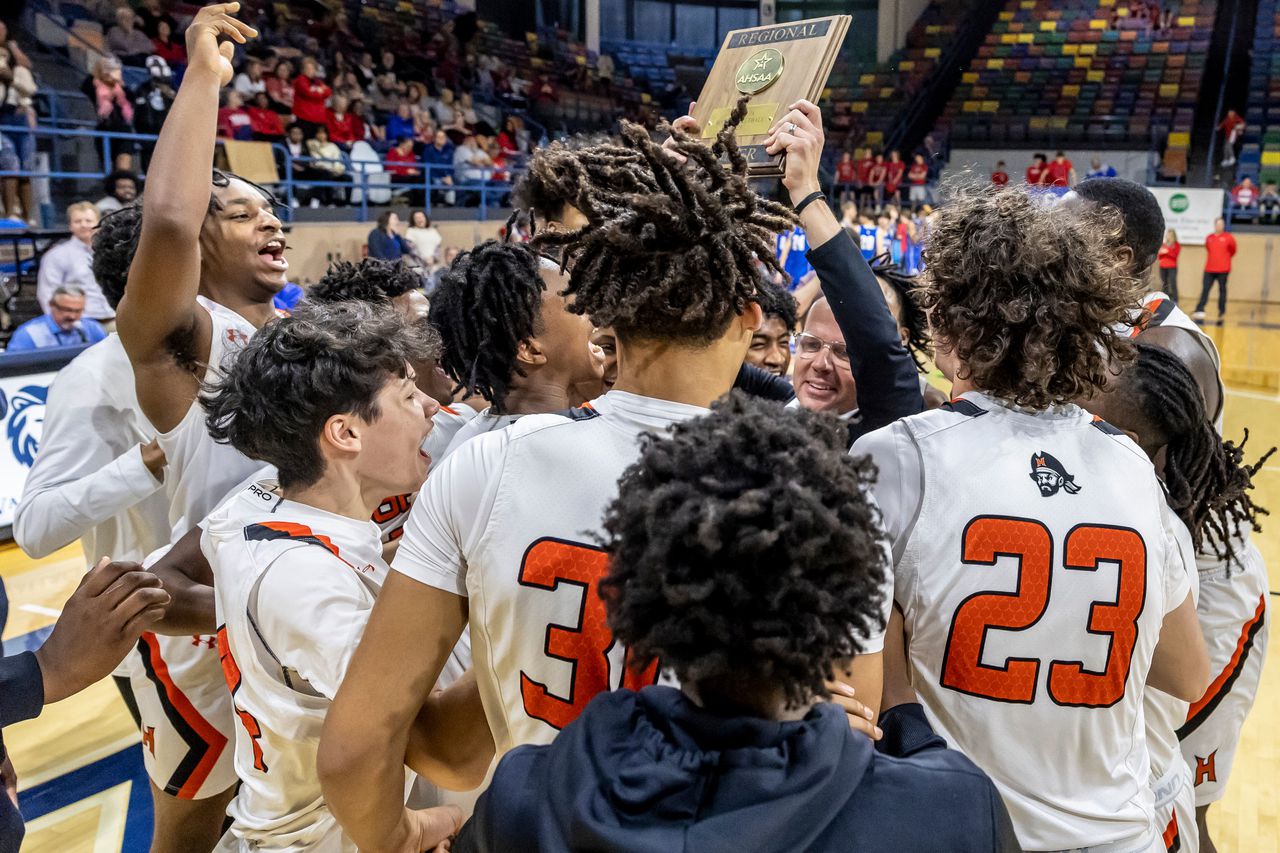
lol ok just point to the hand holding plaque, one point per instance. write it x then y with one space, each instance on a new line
775 66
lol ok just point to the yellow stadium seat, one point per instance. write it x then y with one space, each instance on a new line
1048 26
907 65
1059 122
1083 62
1088 49
1008 38
1071 90
1097 25
995 64
1026 38
1106 2
867 79
1070 49
1039 122
933 29
971 106
1168 90
1271 158
1096 76
969 77
1027 4
858 106
886 92
1180 139
990 106
1006 16
1187 21
932 52
875 137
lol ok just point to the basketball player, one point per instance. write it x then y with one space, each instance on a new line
1157 399
1234 599
1036 617
510 337
745 755
770 348
327 397
504 528
913 326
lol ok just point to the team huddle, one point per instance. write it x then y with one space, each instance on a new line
639 597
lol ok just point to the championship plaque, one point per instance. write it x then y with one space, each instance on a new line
774 66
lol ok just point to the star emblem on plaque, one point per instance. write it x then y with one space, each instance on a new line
760 71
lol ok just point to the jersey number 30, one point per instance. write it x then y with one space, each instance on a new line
1087 546
586 645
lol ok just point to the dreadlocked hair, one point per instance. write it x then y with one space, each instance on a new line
115 242
669 249
487 302
371 280
545 188
743 546
1206 479
914 319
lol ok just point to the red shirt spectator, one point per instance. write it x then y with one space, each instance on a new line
1244 194
398 157
1058 172
1000 177
863 171
1168 255
309 95
172 52
878 173
264 121
894 170
846 170
918 174
280 89
1231 124
1220 248
344 129
1037 173
233 119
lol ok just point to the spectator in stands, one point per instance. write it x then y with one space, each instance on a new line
424 131
401 124
63 326
1061 173
15 52
384 242
846 177
1220 248
1000 177
250 82
604 72
402 165
127 40
1269 203
425 238
1098 169
444 111
876 178
234 121
152 101
71 263
12 187
327 158
17 108
471 164
121 189
895 171
439 159
296 145
1244 197
918 181
264 121
467 115
365 70
110 99
344 126
1232 127
280 88
862 186
1037 173
151 14
1167 258
172 49
310 93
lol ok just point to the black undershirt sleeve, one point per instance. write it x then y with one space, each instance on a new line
762 383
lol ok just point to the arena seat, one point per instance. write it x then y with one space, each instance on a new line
1260 155
1093 77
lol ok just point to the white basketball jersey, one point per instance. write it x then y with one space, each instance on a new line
1165 312
1034 566
510 520
392 512
294 588
214 469
485 421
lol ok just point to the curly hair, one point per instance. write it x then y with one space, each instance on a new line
487 303
1028 296
776 301
669 249
114 245
371 280
743 544
1207 482
914 319
273 399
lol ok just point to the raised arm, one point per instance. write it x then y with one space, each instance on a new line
888 387
160 302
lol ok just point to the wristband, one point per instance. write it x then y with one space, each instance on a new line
809 199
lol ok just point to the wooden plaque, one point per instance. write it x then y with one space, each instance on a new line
775 66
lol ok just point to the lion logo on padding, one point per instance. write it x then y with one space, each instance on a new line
1050 476
26 420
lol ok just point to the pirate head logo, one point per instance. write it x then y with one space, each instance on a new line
1050 476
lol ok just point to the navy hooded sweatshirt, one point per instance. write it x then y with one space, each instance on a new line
651 772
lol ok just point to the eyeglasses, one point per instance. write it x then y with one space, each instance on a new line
807 346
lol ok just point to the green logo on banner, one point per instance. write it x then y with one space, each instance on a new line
1179 203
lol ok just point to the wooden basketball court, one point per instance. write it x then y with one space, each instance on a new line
80 768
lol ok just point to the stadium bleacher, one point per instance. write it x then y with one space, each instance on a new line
1260 154
1066 72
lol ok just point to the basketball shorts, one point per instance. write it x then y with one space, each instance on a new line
1176 812
1234 617
188 737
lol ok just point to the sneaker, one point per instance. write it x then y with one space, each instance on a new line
1198 317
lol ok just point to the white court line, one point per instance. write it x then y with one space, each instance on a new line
40 610
1253 395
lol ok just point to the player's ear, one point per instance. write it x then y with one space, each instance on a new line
530 351
341 432
752 318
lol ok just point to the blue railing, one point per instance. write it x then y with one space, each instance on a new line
362 180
